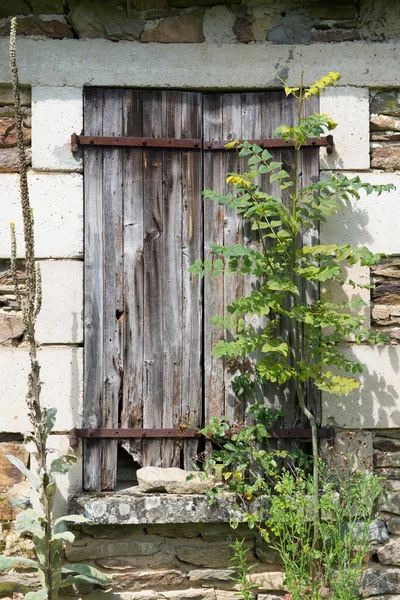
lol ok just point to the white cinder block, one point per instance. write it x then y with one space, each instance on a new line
61 375
67 485
57 112
372 221
349 107
376 404
60 320
57 201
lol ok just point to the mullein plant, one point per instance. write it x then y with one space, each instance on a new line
47 532
282 265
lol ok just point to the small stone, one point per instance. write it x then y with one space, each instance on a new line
11 328
9 474
188 594
388 473
380 312
10 8
8 133
208 555
54 28
136 580
47 7
211 575
127 563
90 549
387 158
265 554
385 444
393 525
243 27
191 530
12 583
387 459
98 19
293 29
172 481
381 580
269 580
218 25
186 28
385 136
9 160
189 3
7 98
377 531
219 532
389 554
390 502
149 4
384 122
386 103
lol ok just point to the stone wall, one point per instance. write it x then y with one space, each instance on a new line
209 21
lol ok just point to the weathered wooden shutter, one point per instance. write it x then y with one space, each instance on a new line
143 315
246 116
148 337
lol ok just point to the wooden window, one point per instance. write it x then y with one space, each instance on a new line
148 337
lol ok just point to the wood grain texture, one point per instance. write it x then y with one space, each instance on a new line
192 287
153 277
93 289
113 283
172 277
132 401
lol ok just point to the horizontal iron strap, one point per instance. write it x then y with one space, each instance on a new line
271 143
140 142
131 142
76 433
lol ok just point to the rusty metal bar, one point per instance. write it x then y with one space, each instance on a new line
273 143
131 142
76 433
141 142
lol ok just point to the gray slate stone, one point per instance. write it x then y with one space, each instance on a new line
211 575
172 481
389 554
381 580
47 7
386 103
133 507
293 29
98 19
10 327
12 8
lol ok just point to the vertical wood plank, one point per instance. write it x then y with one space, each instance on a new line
192 287
113 278
233 234
132 402
93 288
153 276
214 178
172 277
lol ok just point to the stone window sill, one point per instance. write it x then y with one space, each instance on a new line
131 507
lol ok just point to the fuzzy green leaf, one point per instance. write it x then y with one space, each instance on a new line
95 575
15 562
39 595
28 474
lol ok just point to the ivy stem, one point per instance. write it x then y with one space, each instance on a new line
297 341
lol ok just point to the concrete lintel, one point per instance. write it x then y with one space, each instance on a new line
132 507
197 66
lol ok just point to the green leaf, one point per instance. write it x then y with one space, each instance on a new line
63 464
28 474
15 562
95 575
27 521
71 519
50 419
65 536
